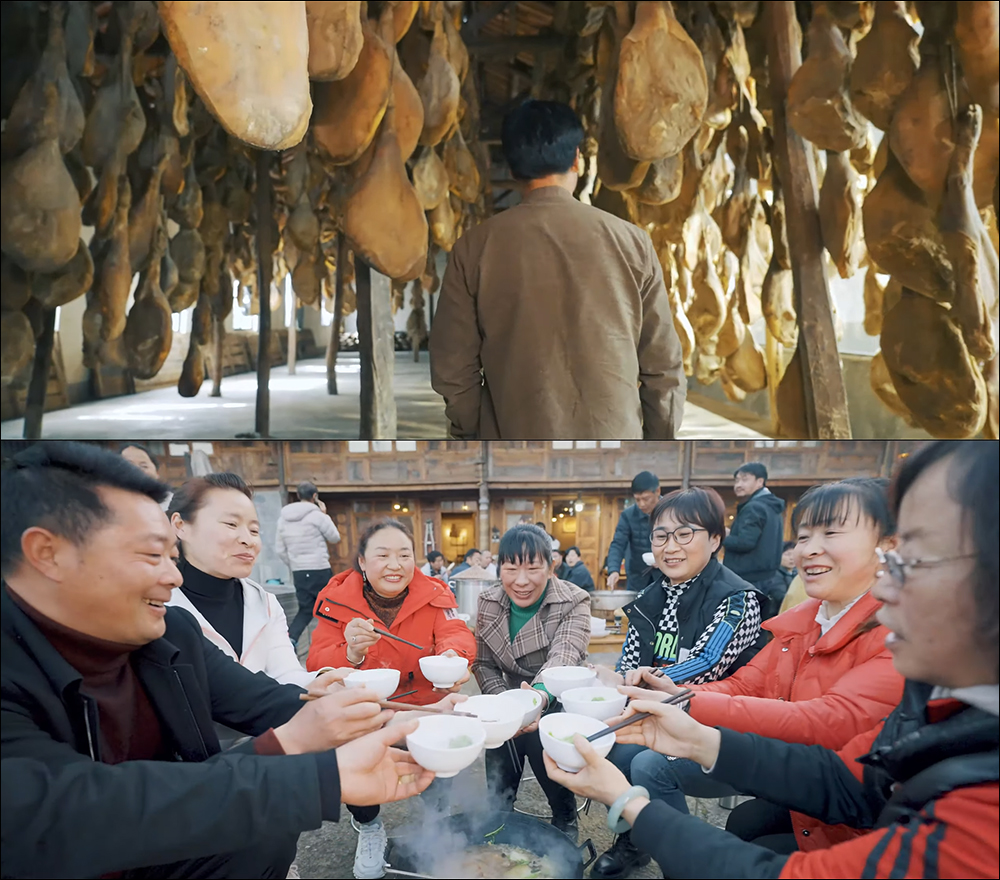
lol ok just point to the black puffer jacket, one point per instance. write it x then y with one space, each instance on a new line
756 538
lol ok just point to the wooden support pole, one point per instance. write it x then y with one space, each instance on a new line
293 333
333 346
376 342
218 337
282 476
687 457
265 258
34 407
823 380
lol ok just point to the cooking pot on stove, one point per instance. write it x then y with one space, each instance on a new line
410 851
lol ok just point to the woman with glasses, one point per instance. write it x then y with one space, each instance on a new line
825 676
698 622
922 784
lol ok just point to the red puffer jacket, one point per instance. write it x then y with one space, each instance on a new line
428 618
807 689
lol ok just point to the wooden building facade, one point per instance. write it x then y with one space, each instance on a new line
456 495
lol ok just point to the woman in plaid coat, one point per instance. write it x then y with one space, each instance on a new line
529 622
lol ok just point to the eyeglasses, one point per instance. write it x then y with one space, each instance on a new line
683 535
898 568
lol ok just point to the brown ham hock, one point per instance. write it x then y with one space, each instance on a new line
335 38
149 329
383 217
430 179
977 28
819 106
348 111
967 241
840 213
931 368
886 61
440 89
661 89
248 62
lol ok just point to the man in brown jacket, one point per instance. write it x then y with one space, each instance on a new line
553 320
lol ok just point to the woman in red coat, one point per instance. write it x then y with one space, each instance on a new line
825 677
385 589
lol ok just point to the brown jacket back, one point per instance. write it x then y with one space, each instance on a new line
553 322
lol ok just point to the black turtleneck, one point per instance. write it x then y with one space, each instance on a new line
220 600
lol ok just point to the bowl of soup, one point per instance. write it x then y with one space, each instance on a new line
530 701
601 703
443 672
500 715
446 744
561 678
556 731
383 682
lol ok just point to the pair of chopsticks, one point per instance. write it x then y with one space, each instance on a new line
405 707
389 635
682 697
307 697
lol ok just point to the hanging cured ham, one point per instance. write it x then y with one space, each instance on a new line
440 90
148 329
335 38
248 62
840 213
430 179
886 61
819 106
383 217
661 89
973 259
348 111
977 31
936 378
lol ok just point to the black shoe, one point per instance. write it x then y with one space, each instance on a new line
619 860
570 827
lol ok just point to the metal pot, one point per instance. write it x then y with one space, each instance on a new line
467 592
409 853
611 600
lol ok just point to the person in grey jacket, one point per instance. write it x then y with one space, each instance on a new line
631 538
304 530
756 539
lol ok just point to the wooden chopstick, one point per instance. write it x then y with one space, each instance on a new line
682 697
389 635
306 697
402 707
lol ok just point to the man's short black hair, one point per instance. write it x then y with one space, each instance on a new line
434 555
141 448
788 545
53 484
645 482
573 549
307 491
525 543
540 138
470 553
754 468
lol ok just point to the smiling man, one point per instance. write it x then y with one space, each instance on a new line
111 765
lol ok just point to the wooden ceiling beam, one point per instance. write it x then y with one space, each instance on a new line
483 16
498 47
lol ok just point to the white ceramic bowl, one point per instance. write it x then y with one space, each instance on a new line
531 703
443 672
553 728
562 678
500 715
383 681
601 703
598 626
430 743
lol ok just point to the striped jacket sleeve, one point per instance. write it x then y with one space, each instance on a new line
734 628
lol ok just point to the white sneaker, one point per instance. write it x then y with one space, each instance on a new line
369 857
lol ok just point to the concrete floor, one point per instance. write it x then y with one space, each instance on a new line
300 409
329 850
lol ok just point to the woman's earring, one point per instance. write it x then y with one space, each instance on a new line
364 580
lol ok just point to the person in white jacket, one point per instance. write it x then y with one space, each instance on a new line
219 537
304 531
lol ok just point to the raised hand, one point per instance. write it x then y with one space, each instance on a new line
338 717
360 635
607 677
670 731
639 682
372 772
323 683
599 780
